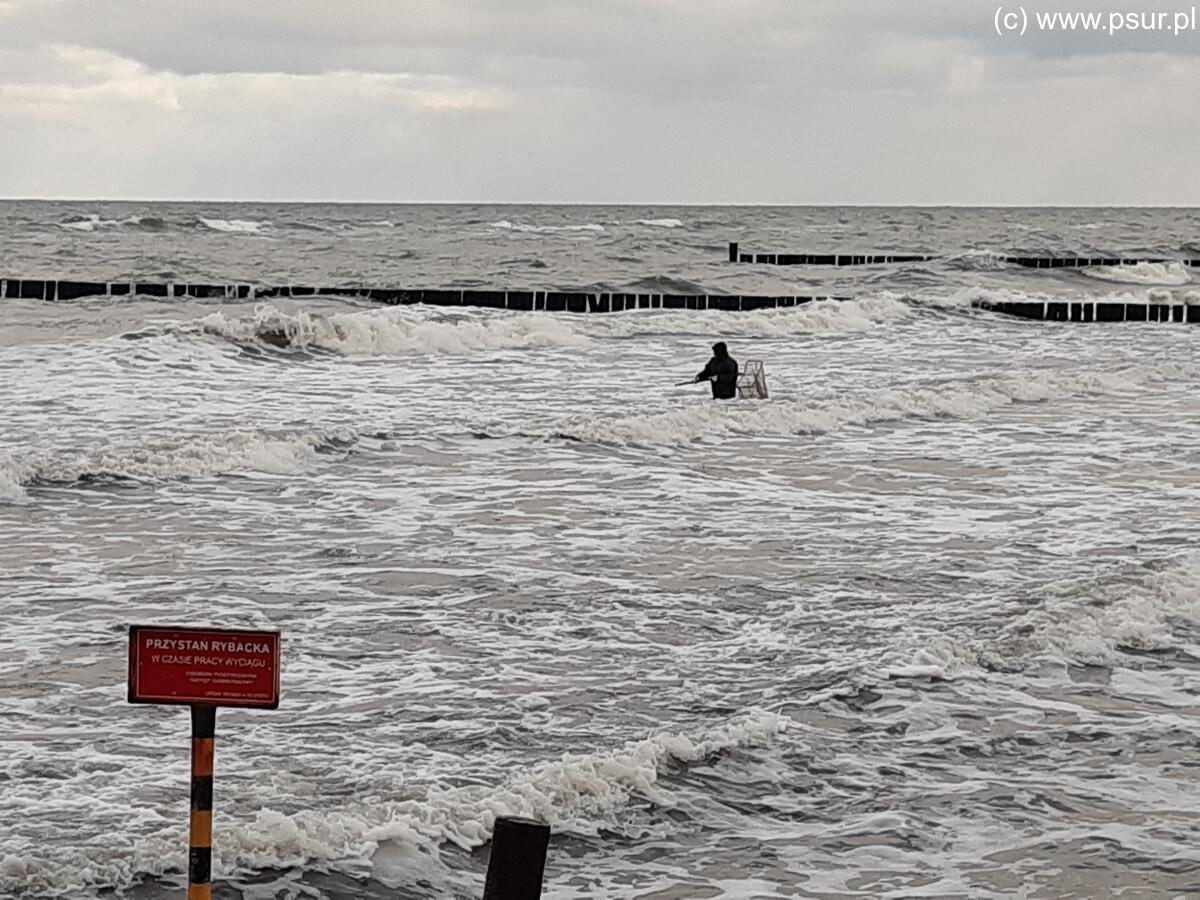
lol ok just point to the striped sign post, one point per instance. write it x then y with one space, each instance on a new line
203 668
204 723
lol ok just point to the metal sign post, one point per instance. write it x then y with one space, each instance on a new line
204 722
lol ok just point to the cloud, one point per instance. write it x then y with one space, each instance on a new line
684 100
88 78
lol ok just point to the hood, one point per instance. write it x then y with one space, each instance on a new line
719 349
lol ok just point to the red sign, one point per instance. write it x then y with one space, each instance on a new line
212 666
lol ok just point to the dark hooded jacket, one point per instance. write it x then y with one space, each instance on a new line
722 369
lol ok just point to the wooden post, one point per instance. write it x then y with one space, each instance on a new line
518 859
733 251
204 721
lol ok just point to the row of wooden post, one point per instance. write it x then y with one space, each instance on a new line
868 259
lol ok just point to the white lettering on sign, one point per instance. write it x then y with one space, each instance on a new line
204 646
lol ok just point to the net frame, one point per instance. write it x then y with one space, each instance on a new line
752 381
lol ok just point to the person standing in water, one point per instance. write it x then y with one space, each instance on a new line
722 371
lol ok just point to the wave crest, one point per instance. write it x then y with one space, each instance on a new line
398 841
815 317
154 462
789 417
391 331
1102 624
233 226
94 222
506 225
1170 274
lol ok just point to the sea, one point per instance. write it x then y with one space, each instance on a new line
925 622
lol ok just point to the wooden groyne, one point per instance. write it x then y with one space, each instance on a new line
1167 309
821 259
1029 262
1096 310
527 301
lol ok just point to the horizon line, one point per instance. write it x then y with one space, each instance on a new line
641 203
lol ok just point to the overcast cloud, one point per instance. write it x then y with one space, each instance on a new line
690 101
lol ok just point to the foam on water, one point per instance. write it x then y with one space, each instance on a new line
1170 273
393 331
726 650
234 226
12 476
970 296
815 317
157 461
94 221
88 223
506 225
660 223
578 794
1100 624
980 260
823 414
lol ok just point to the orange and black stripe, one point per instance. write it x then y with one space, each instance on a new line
204 721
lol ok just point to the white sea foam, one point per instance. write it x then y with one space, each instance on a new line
90 222
1171 273
488 605
188 456
979 260
973 296
1145 613
234 226
816 317
581 794
660 223
12 476
939 658
545 229
394 330
778 417
94 222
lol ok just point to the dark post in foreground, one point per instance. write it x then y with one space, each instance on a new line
733 251
204 720
518 859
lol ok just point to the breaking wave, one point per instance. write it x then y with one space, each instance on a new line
545 229
1117 620
391 331
1102 624
233 226
978 260
577 794
972 296
194 456
816 317
660 223
781 418
94 222
1171 274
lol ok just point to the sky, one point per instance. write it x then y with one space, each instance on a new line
596 101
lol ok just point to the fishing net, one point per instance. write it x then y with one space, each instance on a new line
752 381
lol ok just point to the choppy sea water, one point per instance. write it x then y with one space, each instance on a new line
924 623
